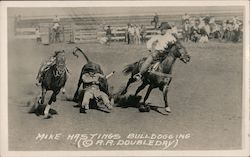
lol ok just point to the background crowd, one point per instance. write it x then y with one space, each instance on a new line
195 29
190 28
202 29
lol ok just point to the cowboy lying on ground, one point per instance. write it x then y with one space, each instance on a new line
91 84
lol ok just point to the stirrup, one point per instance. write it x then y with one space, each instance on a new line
137 76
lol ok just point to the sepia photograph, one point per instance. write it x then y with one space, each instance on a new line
134 78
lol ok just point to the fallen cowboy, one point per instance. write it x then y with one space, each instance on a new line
92 91
95 86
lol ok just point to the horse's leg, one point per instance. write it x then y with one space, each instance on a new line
131 80
48 106
63 90
66 76
147 94
143 105
77 90
165 97
55 93
164 90
141 87
43 95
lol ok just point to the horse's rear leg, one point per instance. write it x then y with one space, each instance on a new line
63 90
143 105
43 96
165 96
147 94
66 78
131 80
75 98
141 87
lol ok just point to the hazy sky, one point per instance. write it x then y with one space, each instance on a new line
119 11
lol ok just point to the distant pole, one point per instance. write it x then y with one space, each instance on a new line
15 25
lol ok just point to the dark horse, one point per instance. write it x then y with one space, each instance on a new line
160 77
54 79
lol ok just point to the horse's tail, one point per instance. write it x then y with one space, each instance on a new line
85 56
129 68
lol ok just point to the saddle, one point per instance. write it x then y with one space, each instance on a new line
153 69
156 62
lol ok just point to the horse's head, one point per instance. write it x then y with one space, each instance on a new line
60 62
180 52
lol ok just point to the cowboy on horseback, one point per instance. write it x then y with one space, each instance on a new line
46 66
165 50
94 87
158 46
52 76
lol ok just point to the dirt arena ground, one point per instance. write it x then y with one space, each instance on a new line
205 98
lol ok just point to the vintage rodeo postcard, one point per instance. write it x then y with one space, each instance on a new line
128 78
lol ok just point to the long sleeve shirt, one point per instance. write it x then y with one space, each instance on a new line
161 42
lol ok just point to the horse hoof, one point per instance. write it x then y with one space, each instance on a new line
47 116
63 91
147 108
142 108
168 109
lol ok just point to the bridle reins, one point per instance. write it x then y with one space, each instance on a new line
60 68
59 72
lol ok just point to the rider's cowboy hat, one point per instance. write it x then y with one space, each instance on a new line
164 25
